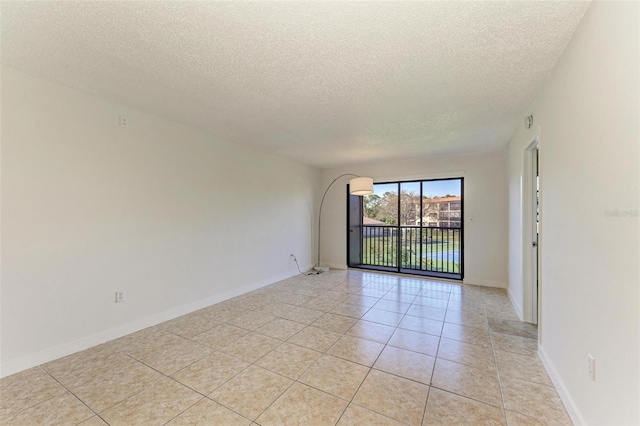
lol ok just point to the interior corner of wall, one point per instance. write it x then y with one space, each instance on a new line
517 306
338 266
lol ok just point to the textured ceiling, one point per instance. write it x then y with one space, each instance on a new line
326 83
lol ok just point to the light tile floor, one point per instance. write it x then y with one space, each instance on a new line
344 347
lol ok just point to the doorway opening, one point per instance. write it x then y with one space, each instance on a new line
413 227
531 233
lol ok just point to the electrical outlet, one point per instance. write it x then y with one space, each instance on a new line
124 122
591 367
119 296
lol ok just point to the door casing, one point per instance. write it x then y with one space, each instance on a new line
530 238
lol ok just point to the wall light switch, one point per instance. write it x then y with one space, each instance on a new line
591 367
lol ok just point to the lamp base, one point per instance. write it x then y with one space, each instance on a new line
321 269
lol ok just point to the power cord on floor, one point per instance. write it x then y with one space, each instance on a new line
302 273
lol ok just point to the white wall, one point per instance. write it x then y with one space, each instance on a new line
173 216
588 118
516 177
485 200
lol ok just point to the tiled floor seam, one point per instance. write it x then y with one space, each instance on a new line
495 359
500 383
424 412
362 382
180 413
380 414
431 386
28 408
277 398
221 384
376 360
74 395
254 364
182 384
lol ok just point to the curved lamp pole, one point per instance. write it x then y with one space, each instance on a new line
357 186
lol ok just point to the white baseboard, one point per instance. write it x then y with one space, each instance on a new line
470 281
516 306
38 358
483 282
572 410
337 266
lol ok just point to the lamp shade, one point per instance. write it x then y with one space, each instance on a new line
361 186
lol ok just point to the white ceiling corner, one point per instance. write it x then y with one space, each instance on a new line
326 83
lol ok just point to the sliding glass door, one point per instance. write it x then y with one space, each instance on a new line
411 227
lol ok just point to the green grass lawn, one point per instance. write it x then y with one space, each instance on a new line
381 251
438 246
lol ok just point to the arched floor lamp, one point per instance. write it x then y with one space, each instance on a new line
357 186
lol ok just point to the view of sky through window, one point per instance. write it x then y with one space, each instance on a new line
434 188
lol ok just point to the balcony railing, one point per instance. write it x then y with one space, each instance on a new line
431 249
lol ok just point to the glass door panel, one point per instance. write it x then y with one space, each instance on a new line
442 210
410 220
380 227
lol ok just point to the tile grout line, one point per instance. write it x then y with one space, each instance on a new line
296 380
376 360
350 401
293 381
493 350
183 411
43 401
435 360
74 395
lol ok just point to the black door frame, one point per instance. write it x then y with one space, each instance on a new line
398 268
